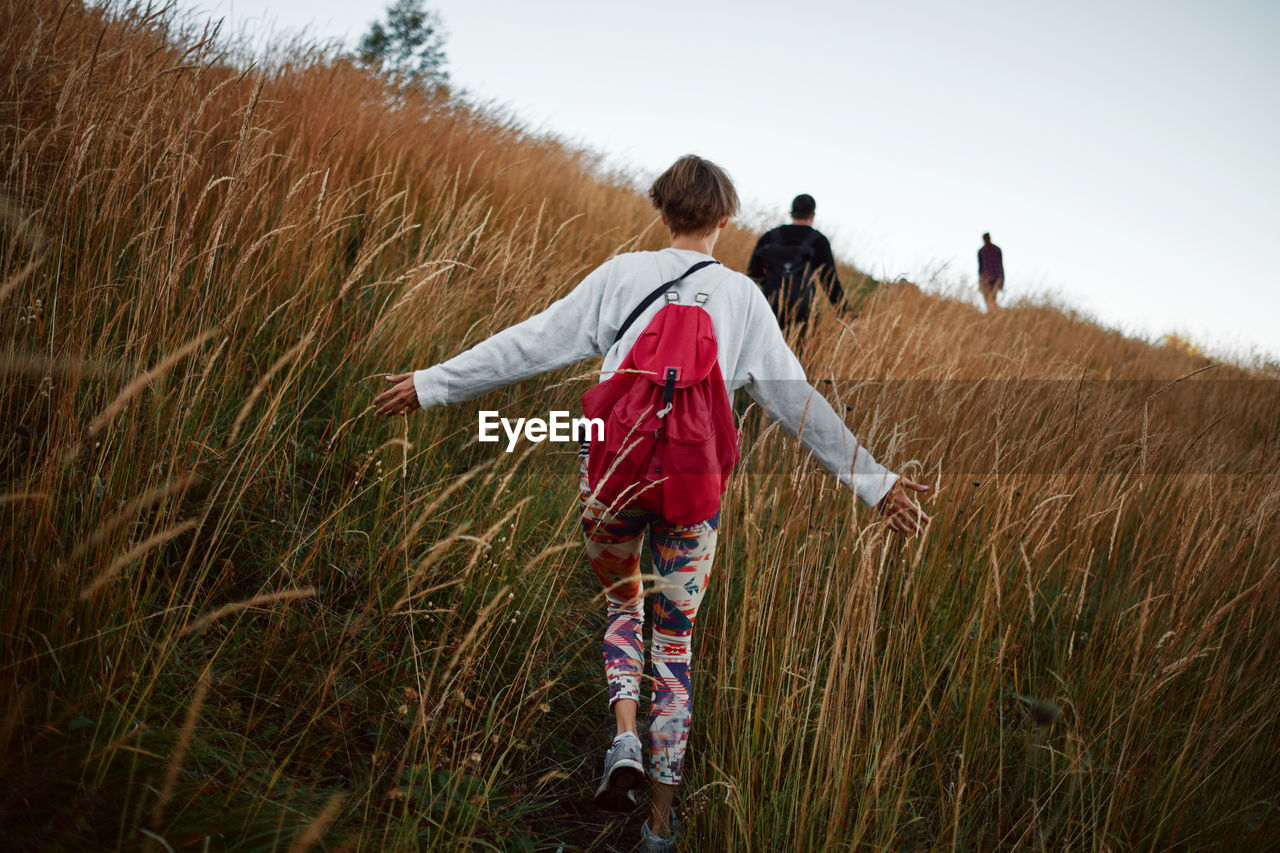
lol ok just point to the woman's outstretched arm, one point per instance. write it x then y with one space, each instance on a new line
776 380
563 333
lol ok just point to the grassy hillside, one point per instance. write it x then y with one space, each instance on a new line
238 612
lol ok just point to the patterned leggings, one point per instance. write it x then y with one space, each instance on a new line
682 555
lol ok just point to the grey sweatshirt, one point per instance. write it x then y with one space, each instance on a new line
753 353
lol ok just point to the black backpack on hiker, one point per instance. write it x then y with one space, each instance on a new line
788 274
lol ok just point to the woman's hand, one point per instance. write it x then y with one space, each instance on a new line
900 512
401 398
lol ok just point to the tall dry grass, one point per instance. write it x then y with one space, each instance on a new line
238 612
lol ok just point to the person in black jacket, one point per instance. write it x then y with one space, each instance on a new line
789 261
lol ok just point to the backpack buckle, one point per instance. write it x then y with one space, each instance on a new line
672 296
701 299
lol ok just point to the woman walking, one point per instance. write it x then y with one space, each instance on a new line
695 199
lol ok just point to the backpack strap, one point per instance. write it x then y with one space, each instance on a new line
661 289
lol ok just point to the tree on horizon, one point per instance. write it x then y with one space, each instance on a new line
407 46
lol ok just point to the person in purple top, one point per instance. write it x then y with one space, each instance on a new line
990 272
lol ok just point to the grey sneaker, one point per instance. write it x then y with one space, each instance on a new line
661 843
623 773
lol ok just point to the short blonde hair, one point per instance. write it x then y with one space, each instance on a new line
694 195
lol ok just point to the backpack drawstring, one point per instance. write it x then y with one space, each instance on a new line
668 392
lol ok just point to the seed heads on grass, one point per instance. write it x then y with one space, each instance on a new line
180 750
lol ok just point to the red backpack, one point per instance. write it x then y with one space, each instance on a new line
670 441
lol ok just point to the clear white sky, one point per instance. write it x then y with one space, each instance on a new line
1125 155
